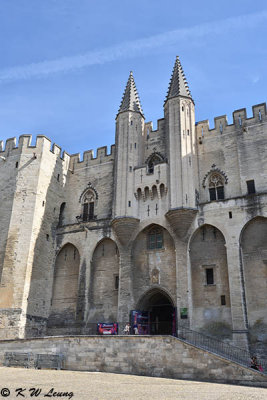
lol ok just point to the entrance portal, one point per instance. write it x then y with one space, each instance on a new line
161 313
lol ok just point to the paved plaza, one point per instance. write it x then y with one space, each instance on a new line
16 383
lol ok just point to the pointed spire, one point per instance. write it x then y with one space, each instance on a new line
130 100
178 85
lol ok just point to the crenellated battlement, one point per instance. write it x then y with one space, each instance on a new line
25 145
102 156
149 127
240 123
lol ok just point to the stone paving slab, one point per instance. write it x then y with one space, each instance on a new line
106 386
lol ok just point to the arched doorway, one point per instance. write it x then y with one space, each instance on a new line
160 311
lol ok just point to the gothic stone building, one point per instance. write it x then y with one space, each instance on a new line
171 219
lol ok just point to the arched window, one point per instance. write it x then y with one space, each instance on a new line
155 239
61 214
216 188
88 205
153 160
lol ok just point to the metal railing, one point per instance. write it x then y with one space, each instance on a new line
232 353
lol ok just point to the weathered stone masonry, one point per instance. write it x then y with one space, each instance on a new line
171 217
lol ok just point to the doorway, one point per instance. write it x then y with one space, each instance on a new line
161 312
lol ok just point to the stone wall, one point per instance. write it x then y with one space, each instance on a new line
152 356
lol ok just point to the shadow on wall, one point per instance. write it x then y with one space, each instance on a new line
48 270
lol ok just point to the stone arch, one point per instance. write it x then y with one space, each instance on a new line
158 303
154 159
104 282
253 242
65 286
147 258
210 294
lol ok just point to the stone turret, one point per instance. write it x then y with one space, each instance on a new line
129 154
180 132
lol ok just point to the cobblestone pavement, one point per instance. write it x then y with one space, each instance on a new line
104 386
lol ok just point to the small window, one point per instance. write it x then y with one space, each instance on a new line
58 176
188 132
209 276
116 282
129 203
155 239
212 194
251 186
130 169
135 145
131 122
223 300
230 215
43 203
17 164
47 237
220 192
88 211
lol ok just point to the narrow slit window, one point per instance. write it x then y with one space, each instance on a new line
223 300
251 186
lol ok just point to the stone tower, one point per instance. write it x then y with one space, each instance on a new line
179 111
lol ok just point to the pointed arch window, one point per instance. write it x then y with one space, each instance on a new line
153 160
155 239
88 206
216 187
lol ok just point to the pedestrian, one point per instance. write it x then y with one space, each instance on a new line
135 329
254 363
126 330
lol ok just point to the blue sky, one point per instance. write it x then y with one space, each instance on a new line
64 63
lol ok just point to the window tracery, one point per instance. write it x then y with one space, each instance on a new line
216 187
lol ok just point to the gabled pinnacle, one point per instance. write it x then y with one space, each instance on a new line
178 85
130 100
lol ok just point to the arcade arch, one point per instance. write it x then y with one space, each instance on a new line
65 286
104 282
154 261
211 308
253 241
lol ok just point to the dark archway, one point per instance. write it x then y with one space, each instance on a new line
161 312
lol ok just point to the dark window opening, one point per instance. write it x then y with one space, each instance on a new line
155 239
230 214
251 186
88 211
135 145
212 194
61 214
47 237
17 164
58 177
220 192
188 132
129 203
117 281
43 203
216 193
209 276
130 169
223 300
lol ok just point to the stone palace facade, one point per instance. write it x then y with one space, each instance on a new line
172 222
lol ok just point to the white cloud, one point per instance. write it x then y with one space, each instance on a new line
131 48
